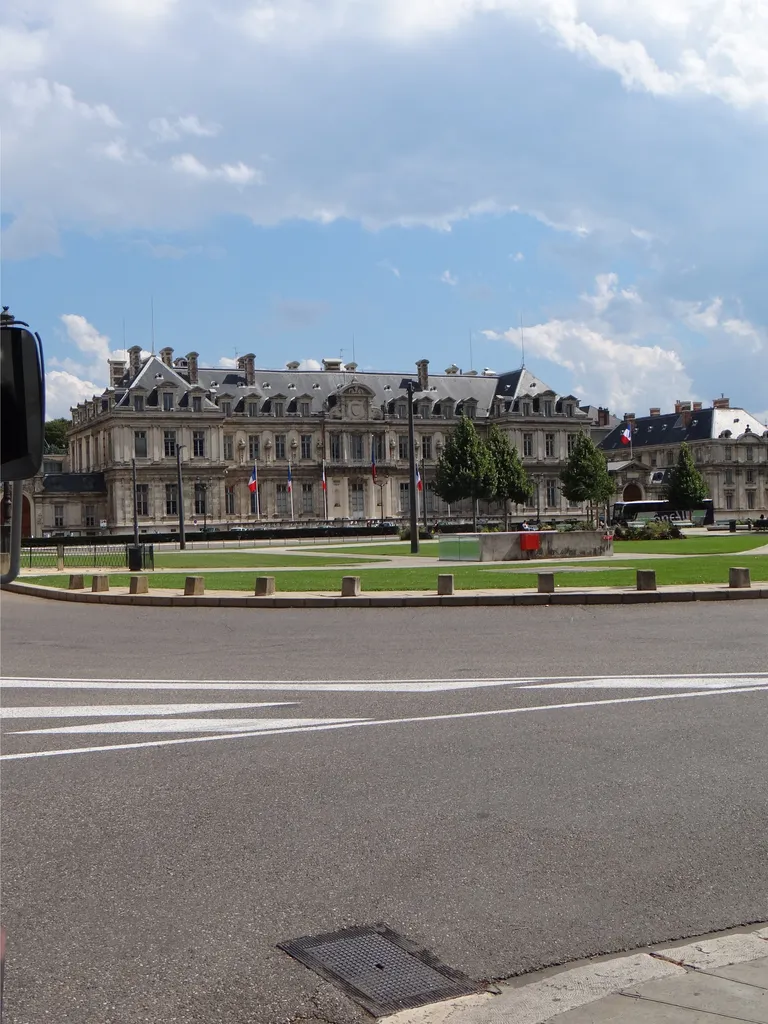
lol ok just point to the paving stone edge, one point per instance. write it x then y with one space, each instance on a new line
383 600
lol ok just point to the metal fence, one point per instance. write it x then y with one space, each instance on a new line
82 556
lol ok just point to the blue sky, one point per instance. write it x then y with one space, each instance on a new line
296 178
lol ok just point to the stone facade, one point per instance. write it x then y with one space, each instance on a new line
729 447
224 421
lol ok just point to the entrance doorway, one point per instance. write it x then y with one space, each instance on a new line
26 515
632 492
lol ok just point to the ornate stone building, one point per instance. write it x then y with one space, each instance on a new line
729 446
223 421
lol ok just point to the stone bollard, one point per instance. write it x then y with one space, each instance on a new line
546 583
138 585
265 586
76 582
445 584
60 557
646 579
194 586
738 579
350 586
100 584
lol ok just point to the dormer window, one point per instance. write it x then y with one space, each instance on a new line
470 410
197 403
526 408
447 408
305 408
252 408
547 408
401 410
138 403
226 408
569 410
167 401
278 408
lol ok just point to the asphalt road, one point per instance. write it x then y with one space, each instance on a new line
151 862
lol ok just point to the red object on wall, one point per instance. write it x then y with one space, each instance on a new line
529 542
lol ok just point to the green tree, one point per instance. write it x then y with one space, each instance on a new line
56 432
586 476
465 468
685 487
512 481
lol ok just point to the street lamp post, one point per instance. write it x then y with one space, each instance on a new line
135 505
180 487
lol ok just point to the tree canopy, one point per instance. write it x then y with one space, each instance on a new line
56 432
466 467
585 476
512 481
685 487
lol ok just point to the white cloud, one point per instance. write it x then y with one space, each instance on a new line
236 174
518 257
86 338
310 364
63 390
386 265
607 293
448 278
190 124
707 318
227 363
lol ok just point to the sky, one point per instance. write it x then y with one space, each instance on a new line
390 180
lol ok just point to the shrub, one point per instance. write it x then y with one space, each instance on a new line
654 529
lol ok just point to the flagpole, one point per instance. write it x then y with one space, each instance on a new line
325 492
256 475
290 476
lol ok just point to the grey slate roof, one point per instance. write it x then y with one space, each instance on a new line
320 386
671 428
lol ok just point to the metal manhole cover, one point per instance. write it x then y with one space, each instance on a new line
381 970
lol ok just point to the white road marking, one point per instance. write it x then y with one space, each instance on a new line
646 683
390 721
697 680
105 710
253 726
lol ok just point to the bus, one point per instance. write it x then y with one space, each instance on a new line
627 513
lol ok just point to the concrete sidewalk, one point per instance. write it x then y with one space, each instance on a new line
720 979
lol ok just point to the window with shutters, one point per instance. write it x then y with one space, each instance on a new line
142 499
356 447
140 444
281 499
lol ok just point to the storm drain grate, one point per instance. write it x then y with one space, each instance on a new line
381 970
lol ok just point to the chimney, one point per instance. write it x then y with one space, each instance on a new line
134 357
116 372
332 365
721 403
166 354
192 367
687 416
655 410
685 406
247 364
678 407
629 417
697 406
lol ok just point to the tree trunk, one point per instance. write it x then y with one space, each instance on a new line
506 516
475 504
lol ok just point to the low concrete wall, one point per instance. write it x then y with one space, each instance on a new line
506 547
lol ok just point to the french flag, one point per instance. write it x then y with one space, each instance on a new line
325 485
253 483
418 479
626 434
290 479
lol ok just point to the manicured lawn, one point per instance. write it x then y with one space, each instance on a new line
711 545
246 560
670 571
427 549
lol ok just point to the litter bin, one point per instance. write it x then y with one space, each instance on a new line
135 558
732 526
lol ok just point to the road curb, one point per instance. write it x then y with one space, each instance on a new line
464 599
